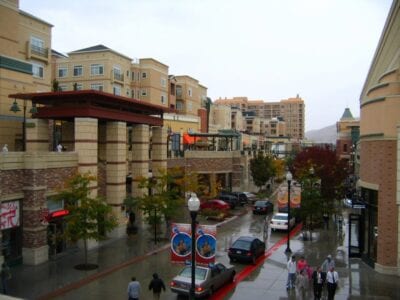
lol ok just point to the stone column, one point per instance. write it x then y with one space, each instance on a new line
159 150
116 171
140 157
86 131
37 135
34 237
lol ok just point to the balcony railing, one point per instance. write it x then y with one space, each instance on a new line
118 77
37 52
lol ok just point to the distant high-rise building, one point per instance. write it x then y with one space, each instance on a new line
290 111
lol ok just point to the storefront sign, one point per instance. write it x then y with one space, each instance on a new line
9 214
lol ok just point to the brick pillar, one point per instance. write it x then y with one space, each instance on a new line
86 130
159 150
37 135
116 171
34 236
140 157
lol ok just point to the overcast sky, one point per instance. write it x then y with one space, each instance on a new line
263 49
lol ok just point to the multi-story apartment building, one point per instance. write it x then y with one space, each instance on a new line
103 69
190 95
291 111
379 240
25 43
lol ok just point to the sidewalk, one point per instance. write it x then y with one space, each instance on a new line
356 279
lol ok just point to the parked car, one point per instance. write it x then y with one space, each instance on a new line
250 197
207 279
246 248
215 204
279 221
263 207
233 201
244 197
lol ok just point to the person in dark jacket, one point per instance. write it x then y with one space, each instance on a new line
156 284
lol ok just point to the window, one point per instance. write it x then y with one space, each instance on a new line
79 86
179 105
62 87
118 75
190 92
133 75
144 75
117 90
127 74
78 71
96 86
163 82
133 93
163 99
36 42
37 70
62 72
96 69
143 92
189 106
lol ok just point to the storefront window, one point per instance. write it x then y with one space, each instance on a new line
371 224
11 242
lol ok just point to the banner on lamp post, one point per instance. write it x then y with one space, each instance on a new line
181 243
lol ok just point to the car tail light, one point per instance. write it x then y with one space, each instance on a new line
199 289
248 254
172 284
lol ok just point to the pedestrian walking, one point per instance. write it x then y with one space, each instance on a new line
133 289
332 279
325 217
5 148
291 267
5 277
326 266
301 264
317 283
156 284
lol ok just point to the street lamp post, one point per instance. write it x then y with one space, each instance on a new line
289 181
193 205
15 108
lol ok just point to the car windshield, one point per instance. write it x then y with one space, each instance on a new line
240 244
261 203
200 273
280 217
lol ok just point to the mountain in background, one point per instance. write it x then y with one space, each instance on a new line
324 135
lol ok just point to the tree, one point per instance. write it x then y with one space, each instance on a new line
89 218
327 168
262 169
163 200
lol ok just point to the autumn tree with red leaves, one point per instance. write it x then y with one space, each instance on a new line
331 172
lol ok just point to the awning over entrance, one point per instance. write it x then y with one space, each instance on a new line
94 104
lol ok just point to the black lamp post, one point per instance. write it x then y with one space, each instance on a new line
15 108
289 181
193 205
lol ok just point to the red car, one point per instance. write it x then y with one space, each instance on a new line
215 204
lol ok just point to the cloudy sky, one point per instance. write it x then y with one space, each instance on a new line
263 49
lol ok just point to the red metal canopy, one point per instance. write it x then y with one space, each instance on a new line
94 104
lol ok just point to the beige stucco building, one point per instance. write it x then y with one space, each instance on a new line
380 151
25 43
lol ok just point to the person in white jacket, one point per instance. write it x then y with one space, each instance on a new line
291 267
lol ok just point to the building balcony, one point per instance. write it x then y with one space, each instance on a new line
38 53
117 77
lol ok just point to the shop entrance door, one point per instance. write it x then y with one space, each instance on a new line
56 242
356 244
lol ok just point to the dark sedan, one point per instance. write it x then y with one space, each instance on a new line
263 207
246 248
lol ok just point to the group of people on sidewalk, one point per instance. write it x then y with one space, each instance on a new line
156 285
301 274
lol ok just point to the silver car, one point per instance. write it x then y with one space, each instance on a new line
280 221
207 279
